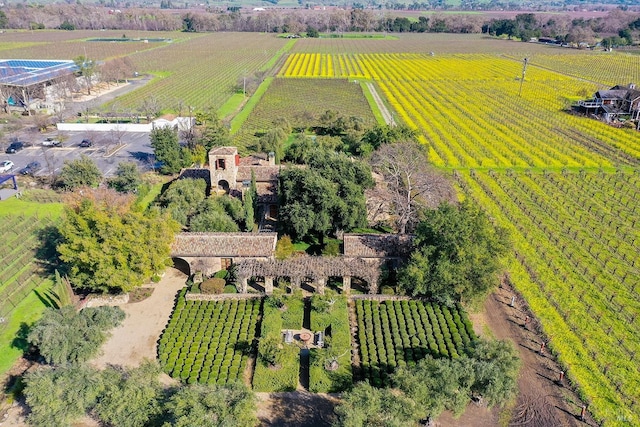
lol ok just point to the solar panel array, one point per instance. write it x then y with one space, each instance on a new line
27 72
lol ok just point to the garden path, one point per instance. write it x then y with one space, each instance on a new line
136 338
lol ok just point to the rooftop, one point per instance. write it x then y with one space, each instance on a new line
377 245
26 72
224 244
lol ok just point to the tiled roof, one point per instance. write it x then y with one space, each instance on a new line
377 245
262 173
227 151
224 244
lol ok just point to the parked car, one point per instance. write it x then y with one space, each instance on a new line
6 166
86 143
51 142
15 146
31 168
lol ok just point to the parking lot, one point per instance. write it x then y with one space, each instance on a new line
107 151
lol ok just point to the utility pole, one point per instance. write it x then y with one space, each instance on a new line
524 71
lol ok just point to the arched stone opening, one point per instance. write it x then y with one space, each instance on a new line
182 265
256 283
336 284
359 285
223 185
307 284
283 283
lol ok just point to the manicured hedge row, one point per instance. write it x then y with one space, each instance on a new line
280 312
399 333
334 321
208 341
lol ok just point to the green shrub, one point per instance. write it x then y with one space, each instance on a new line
222 274
213 286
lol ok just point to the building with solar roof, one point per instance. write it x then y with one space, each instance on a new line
25 81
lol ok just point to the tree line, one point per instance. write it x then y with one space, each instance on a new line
619 22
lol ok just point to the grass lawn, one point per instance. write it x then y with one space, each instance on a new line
27 312
31 307
17 206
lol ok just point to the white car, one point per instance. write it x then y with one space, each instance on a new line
6 166
51 142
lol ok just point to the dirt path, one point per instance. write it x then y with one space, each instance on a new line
136 338
388 117
542 401
296 409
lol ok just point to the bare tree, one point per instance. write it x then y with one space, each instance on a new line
150 107
116 134
50 165
412 183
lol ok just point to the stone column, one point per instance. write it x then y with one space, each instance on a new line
244 284
295 283
268 285
320 284
373 285
346 285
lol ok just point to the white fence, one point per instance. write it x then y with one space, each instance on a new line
180 123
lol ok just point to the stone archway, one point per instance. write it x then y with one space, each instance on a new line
182 265
223 185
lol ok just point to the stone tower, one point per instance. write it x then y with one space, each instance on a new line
223 164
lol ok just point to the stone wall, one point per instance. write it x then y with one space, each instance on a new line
102 300
220 297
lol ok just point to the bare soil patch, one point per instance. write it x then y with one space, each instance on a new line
296 409
136 338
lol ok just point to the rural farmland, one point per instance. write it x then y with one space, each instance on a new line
566 187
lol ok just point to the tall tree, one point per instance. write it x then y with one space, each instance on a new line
411 182
456 256
109 247
210 132
87 68
58 397
327 196
307 201
127 179
79 173
168 151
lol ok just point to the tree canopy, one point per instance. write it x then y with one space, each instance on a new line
82 172
59 396
326 196
368 406
456 256
132 397
67 336
127 179
488 370
197 405
109 247
186 201
168 151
